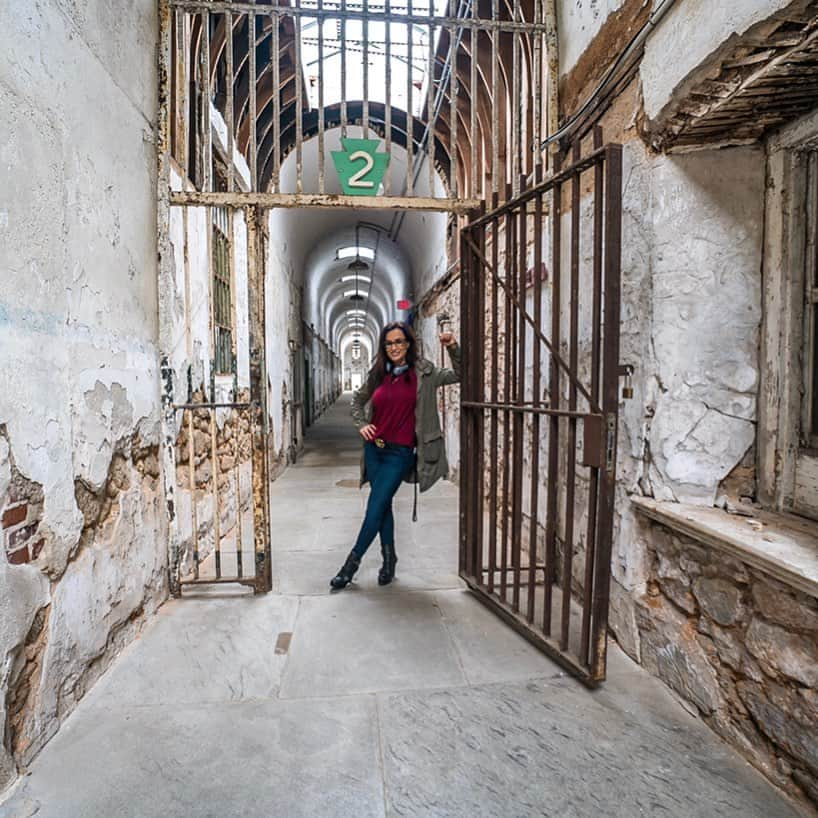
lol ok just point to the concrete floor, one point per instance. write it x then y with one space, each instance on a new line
410 700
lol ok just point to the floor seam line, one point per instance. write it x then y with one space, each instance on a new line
381 753
457 655
289 650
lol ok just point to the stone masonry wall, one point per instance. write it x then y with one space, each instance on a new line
739 646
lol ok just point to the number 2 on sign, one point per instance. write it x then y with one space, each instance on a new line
357 180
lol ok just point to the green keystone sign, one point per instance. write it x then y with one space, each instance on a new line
359 167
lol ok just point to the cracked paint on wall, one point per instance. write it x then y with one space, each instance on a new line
79 390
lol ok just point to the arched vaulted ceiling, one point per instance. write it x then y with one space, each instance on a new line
314 237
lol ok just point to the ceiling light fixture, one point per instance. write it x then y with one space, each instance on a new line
357 267
356 252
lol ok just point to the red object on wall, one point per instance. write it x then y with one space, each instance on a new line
404 304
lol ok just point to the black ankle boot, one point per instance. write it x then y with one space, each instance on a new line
348 569
390 559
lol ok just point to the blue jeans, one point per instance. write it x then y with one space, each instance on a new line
385 470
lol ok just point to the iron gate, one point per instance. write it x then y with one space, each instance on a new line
539 407
214 392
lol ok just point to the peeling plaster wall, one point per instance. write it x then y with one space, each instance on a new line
692 248
283 315
691 311
578 22
84 562
707 224
693 31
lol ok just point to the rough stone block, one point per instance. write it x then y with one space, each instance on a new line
678 592
671 651
728 646
720 600
791 654
782 716
783 609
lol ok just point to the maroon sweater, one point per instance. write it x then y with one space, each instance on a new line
393 408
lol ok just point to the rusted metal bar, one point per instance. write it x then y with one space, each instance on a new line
229 116
410 120
223 581
214 486
345 13
538 333
537 96
430 104
315 201
312 200
540 641
476 189
365 48
464 558
527 408
253 106
558 178
207 136
275 55
342 21
610 405
495 365
519 417
534 495
495 104
479 285
571 447
211 405
508 345
593 488
258 396
554 394
194 510
516 104
237 477
321 125
299 104
387 179
454 43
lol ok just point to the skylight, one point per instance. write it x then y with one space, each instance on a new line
351 35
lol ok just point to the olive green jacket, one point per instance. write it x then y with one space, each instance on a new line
431 453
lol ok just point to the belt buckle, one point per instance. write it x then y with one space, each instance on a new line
380 443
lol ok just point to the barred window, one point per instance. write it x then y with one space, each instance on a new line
222 297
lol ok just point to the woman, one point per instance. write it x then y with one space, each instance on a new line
396 414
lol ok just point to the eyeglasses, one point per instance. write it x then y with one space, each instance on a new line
388 344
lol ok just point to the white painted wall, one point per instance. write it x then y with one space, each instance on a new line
78 319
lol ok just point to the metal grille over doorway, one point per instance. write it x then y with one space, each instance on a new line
540 405
457 85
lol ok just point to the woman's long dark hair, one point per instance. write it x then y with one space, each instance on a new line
378 371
